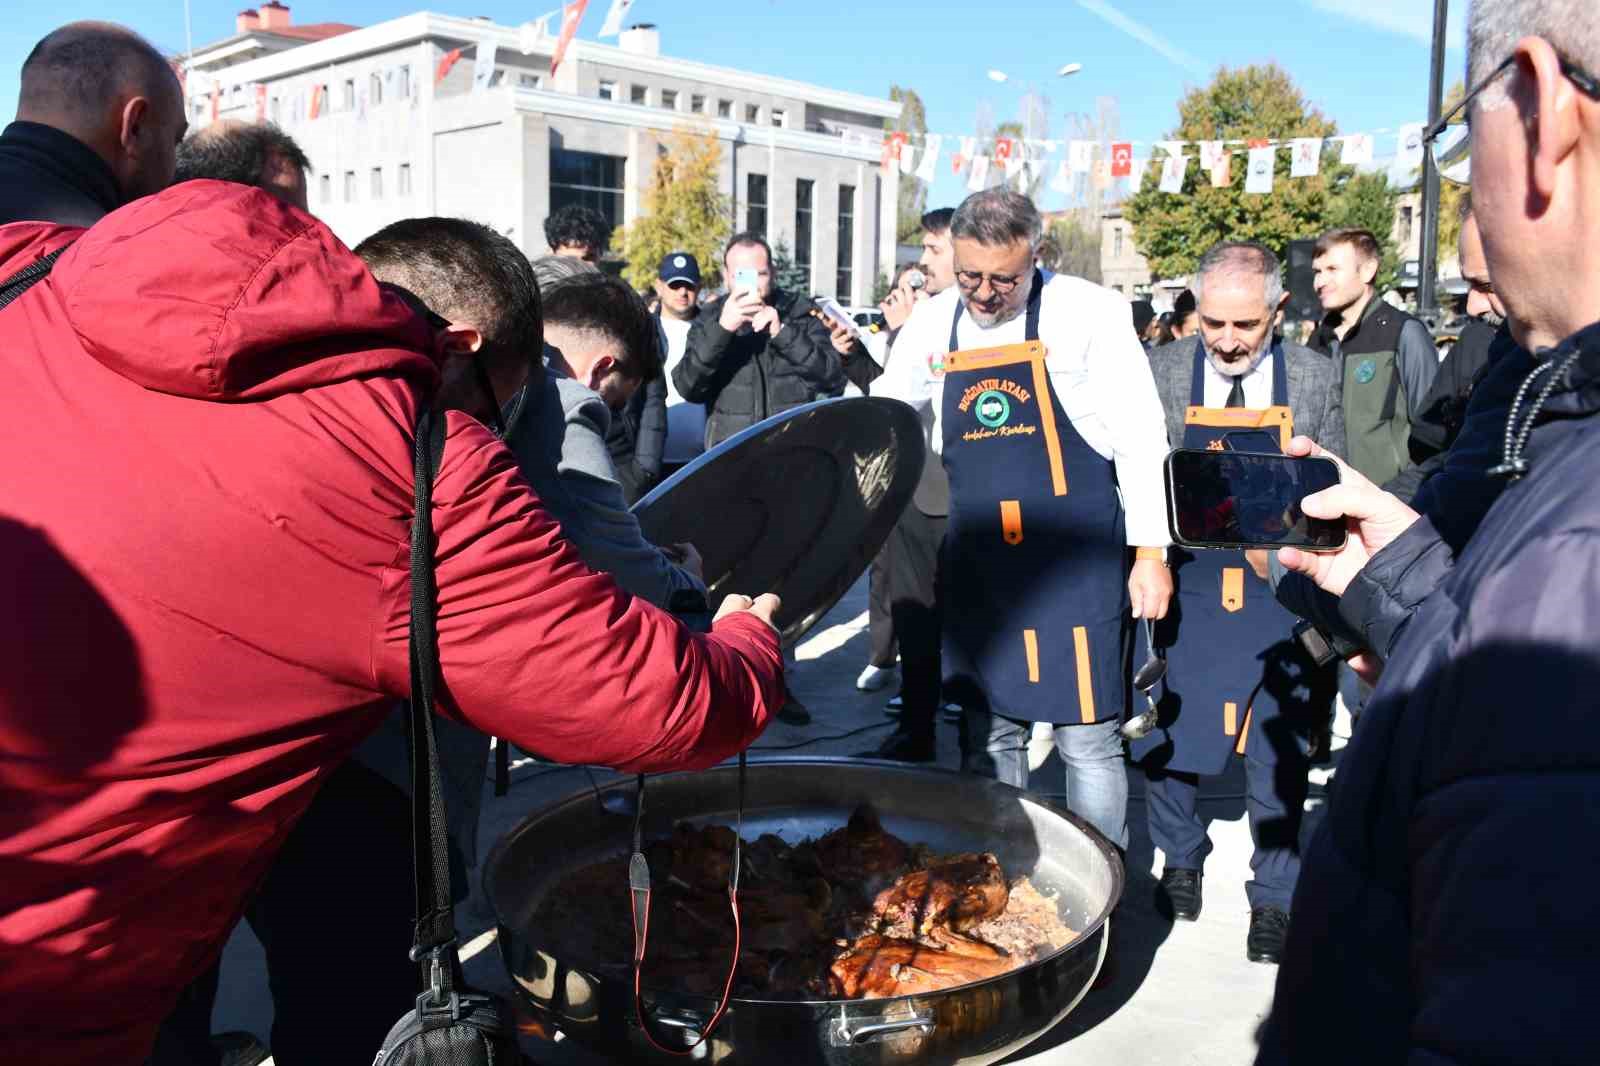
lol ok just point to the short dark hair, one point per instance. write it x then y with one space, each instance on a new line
238 152
750 238
997 216
1184 305
576 224
466 272
600 303
1362 240
937 221
83 66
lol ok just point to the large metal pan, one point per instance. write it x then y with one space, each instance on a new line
972 1024
797 505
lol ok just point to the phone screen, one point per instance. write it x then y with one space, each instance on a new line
745 280
1227 499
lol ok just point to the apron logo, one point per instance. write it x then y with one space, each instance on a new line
993 409
1214 446
1366 371
936 364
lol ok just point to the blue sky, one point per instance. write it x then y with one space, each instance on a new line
1363 62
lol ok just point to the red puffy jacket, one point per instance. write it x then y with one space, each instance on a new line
206 456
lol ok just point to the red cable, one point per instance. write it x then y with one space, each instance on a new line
638 972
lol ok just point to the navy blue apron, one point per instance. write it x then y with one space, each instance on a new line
1035 564
1237 682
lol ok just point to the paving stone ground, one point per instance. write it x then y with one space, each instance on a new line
1182 995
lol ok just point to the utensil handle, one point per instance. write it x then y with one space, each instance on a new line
861 1034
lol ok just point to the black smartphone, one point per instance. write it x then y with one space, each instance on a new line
1231 499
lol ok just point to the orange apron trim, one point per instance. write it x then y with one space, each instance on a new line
1011 522
1244 732
1030 644
1279 418
1080 644
1152 555
1010 355
1233 589
1230 718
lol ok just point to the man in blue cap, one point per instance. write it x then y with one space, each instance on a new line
678 291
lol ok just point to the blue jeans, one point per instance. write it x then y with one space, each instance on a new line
1097 776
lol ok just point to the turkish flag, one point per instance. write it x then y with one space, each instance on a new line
1002 148
892 150
571 15
1122 159
1257 142
451 58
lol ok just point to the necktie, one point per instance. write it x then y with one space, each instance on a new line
1236 394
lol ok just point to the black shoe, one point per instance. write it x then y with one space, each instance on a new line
904 746
1178 895
1269 928
793 712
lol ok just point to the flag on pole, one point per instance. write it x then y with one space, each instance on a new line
1258 179
1172 170
1003 147
980 174
969 146
483 66
1357 150
450 59
319 95
930 156
216 102
261 103
1211 154
1121 159
892 145
571 15
1080 154
1065 180
1306 157
614 16
1408 152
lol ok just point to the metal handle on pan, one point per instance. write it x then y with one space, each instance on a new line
692 1027
860 1034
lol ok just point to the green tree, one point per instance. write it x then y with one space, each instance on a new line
684 210
1072 246
913 197
786 275
1240 104
1366 201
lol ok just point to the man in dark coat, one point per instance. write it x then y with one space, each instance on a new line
756 352
1443 910
99 118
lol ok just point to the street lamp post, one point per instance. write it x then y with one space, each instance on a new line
1428 260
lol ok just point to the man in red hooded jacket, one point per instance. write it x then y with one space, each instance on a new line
204 551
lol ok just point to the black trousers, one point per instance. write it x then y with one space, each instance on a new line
880 623
335 916
915 606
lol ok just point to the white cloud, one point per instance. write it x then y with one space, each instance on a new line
1146 36
1408 18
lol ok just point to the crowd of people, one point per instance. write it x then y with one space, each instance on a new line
207 536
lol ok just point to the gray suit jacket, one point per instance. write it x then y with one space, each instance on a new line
1314 391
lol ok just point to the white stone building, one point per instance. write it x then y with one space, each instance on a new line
398 123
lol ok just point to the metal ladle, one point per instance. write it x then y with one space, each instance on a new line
1145 680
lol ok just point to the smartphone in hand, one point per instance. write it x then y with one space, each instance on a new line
1235 499
746 280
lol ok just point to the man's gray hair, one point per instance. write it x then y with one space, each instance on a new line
554 269
1240 259
238 152
997 216
1495 26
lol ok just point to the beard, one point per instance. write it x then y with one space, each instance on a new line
1238 368
1008 308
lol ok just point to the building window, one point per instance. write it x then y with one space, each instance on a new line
529 81
404 79
843 282
669 99
638 94
724 108
755 202
752 113
403 183
804 189
276 111
1116 242
375 89
326 183
780 117
349 186
608 90
377 183
1405 225
697 104
588 179
349 94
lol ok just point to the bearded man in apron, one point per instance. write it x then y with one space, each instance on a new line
1051 433
1237 682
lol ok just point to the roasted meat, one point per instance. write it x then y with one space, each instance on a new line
877 967
862 853
957 893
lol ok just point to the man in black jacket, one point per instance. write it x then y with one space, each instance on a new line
99 118
756 352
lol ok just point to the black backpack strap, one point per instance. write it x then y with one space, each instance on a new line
434 937
28 276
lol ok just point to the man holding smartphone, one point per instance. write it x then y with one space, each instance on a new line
1237 682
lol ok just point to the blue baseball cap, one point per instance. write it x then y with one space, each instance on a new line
679 266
